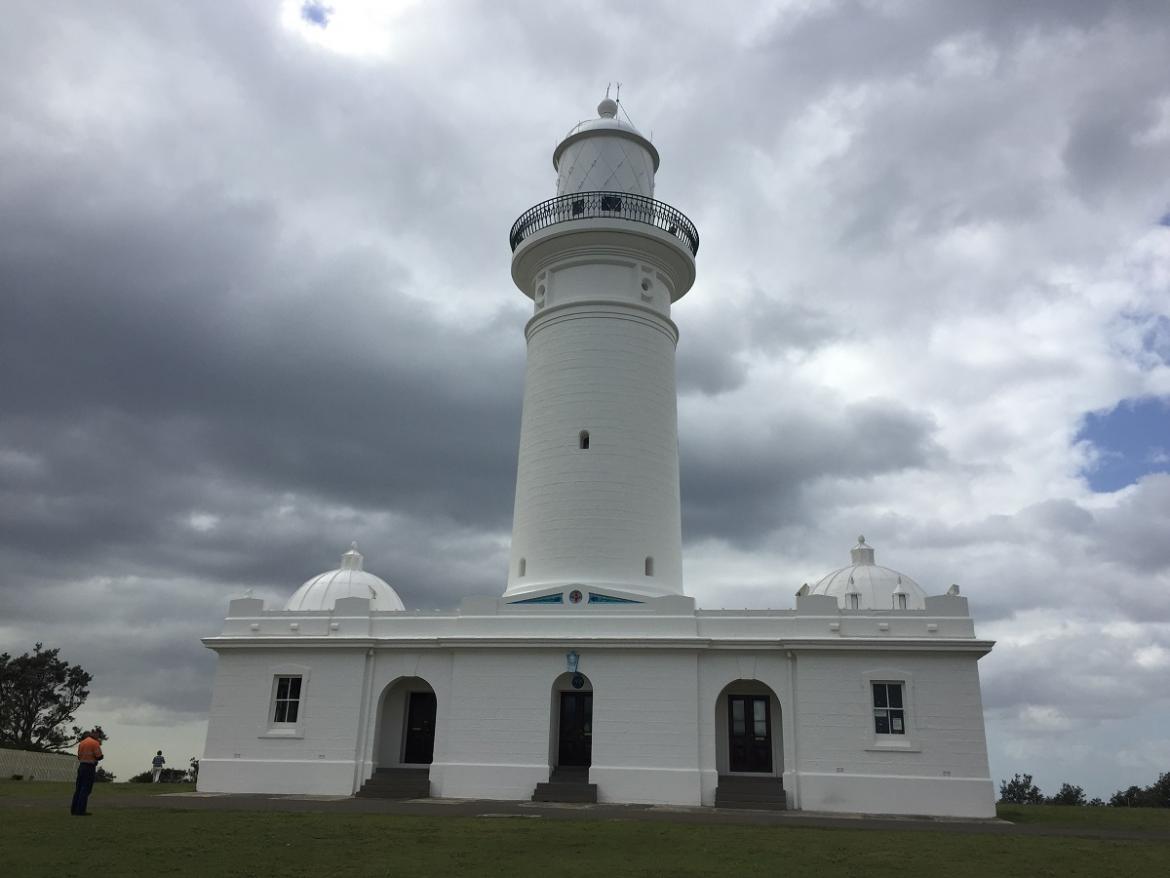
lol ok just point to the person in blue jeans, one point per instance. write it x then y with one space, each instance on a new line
89 754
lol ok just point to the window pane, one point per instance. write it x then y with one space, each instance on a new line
895 691
281 707
879 695
282 687
294 687
896 722
881 724
291 715
738 724
759 717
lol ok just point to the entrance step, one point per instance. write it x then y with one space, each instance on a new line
397 783
754 793
566 785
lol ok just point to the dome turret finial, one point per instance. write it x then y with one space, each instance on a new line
862 553
352 560
608 108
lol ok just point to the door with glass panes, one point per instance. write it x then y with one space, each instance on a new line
749 733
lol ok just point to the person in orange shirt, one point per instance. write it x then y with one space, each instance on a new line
89 754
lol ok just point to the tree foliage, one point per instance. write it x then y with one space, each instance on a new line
1020 791
1156 795
1068 795
39 694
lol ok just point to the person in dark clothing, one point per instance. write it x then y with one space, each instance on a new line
89 754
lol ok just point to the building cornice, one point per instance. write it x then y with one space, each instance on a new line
818 644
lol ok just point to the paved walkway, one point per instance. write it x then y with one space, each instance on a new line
488 809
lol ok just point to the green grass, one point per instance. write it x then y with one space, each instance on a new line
63 791
167 841
1137 819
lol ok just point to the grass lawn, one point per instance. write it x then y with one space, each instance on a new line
1136 819
63 792
42 841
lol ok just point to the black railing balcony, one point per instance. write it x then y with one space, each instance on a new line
605 205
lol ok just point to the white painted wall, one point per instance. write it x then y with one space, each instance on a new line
659 723
34 766
593 516
938 767
245 753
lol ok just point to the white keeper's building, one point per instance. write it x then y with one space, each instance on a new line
593 676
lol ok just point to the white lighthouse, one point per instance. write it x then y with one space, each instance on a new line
593 678
597 499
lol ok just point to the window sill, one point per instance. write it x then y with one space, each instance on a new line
881 745
294 734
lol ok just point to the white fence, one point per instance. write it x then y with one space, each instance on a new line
37 766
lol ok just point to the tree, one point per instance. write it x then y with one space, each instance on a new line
39 694
1068 795
1020 791
103 776
193 771
1134 797
1156 795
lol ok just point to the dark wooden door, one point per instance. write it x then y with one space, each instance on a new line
576 736
419 747
749 733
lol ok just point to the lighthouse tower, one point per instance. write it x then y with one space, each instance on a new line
597 514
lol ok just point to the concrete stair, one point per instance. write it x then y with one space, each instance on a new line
566 785
754 793
397 783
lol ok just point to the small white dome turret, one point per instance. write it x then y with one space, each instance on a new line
348 581
605 155
865 585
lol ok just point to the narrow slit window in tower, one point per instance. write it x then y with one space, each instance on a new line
583 440
902 602
649 565
854 601
523 567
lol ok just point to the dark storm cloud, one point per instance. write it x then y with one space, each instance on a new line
742 483
715 346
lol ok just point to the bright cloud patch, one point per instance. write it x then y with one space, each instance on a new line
1130 441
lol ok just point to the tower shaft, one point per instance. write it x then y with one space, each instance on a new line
597 494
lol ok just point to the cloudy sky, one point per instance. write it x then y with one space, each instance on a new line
255 303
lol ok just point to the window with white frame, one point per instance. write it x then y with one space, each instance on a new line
889 716
287 700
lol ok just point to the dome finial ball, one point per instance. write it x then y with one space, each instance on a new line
607 109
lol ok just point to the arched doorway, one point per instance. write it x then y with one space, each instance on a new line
571 723
748 731
406 724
